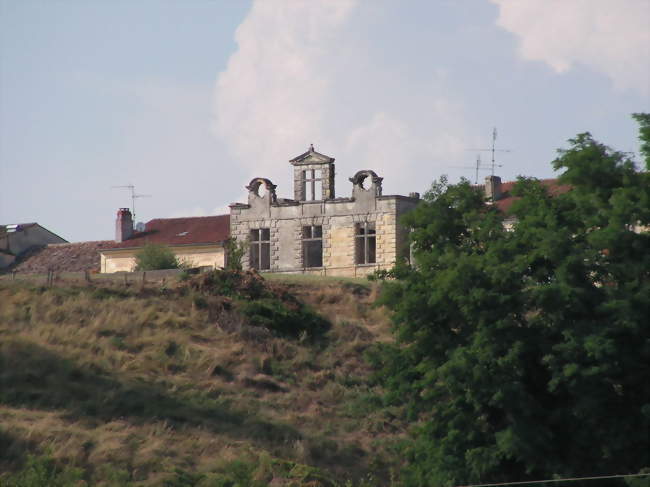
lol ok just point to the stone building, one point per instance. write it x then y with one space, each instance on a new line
316 232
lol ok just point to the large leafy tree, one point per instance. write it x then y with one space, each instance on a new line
524 354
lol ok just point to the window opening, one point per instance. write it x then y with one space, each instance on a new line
312 245
312 185
260 248
366 243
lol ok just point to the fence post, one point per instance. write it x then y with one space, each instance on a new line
126 282
13 275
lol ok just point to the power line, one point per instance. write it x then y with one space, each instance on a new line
573 479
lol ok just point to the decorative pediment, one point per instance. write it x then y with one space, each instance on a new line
311 157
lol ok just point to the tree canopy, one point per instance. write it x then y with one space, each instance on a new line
523 354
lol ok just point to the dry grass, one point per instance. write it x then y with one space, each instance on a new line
132 385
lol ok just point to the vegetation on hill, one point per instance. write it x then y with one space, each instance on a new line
154 257
222 379
525 353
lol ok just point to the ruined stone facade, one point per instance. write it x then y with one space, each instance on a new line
317 233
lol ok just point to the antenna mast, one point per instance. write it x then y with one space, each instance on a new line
493 149
131 188
477 167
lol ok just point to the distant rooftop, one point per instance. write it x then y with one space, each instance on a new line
63 257
179 231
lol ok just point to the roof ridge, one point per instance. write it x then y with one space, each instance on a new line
188 217
85 242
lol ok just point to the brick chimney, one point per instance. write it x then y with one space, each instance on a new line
493 188
123 225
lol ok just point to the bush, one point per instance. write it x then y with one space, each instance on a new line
276 316
40 471
263 306
244 285
234 253
154 257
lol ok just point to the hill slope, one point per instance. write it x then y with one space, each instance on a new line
186 385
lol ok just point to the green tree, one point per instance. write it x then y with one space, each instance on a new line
153 257
524 354
235 251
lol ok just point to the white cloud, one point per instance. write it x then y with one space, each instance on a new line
302 75
199 211
270 99
608 36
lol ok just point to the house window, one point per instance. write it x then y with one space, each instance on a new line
312 184
312 245
365 243
260 248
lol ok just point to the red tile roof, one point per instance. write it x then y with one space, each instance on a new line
504 203
180 231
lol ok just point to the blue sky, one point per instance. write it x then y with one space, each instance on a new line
189 100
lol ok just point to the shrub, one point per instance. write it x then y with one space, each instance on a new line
183 478
234 253
40 471
244 285
284 320
154 257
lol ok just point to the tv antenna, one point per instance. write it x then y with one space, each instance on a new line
134 195
477 167
493 149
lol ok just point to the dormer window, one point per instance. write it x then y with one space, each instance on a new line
312 184
313 176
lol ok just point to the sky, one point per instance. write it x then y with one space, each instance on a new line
188 100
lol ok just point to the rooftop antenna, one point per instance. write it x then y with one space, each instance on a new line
493 149
134 195
477 167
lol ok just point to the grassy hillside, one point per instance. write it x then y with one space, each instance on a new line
216 380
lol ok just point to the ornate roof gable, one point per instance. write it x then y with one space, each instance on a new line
311 157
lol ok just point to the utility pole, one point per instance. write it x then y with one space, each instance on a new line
131 188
